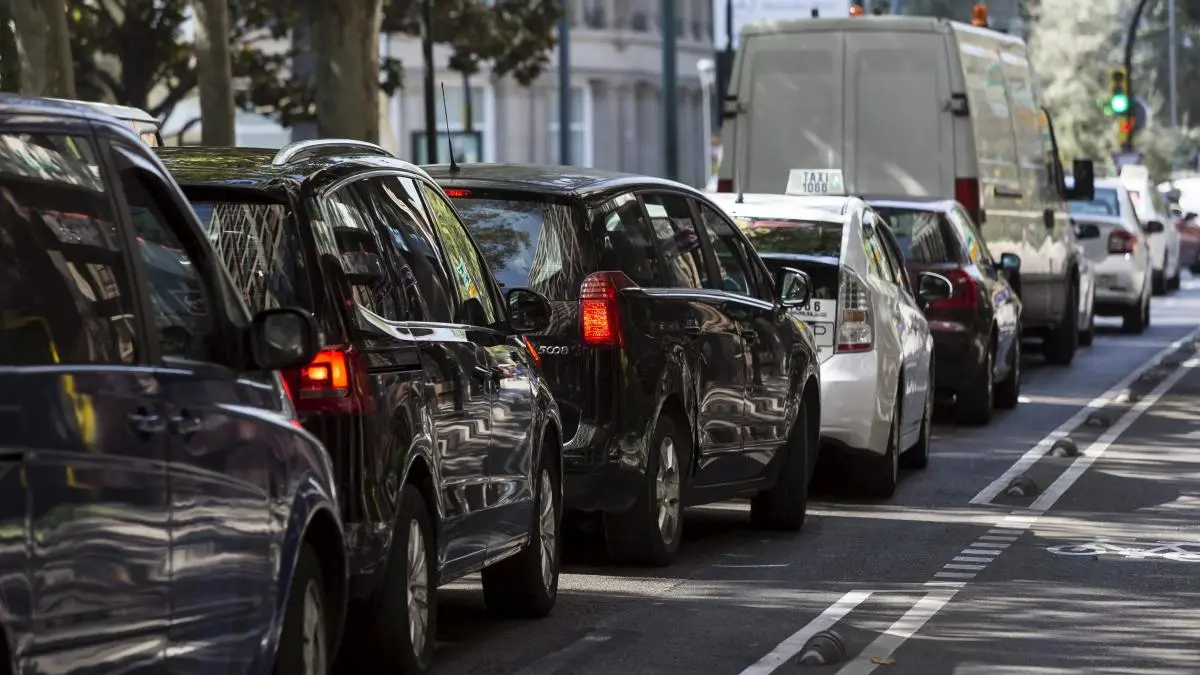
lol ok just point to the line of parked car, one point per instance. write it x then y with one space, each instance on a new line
260 404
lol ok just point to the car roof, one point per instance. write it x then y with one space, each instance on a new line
758 205
910 202
16 104
123 112
254 168
569 181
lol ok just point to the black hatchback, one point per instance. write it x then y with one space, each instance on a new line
681 375
445 438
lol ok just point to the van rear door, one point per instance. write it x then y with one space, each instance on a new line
900 136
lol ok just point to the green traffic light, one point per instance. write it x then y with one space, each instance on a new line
1119 103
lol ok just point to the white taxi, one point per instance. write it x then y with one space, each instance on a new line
875 345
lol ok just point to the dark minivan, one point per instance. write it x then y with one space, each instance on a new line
681 375
977 330
161 511
444 436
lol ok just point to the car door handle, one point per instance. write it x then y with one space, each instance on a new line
145 423
185 424
1008 193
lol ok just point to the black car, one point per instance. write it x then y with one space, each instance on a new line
681 375
977 330
160 510
444 436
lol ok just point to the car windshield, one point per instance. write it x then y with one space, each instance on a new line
527 240
785 235
923 236
259 245
1104 203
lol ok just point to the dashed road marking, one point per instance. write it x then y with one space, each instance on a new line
792 646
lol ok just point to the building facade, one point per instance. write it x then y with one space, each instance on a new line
616 96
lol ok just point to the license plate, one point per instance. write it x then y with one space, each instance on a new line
823 337
818 310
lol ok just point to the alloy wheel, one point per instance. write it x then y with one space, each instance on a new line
547 532
417 586
316 660
666 489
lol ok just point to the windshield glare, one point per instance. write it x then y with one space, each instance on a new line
785 235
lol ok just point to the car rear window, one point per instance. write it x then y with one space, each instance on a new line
1104 203
783 235
260 246
527 240
923 236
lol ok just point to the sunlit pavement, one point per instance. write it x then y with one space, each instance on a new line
950 576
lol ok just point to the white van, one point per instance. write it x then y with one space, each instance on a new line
915 106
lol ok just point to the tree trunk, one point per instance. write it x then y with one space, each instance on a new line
44 43
214 71
345 41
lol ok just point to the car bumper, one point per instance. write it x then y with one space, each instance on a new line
956 356
1118 284
852 415
603 470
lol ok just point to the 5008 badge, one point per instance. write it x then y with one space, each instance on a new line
552 350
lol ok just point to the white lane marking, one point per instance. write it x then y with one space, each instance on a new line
987 494
996 537
887 644
891 639
792 645
949 584
990 545
972 559
958 566
975 551
955 575
1097 449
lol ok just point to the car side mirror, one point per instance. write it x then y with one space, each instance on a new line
1084 188
283 337
933 287
1155 227
1189 215
1010 263
793 288
1174 194
528 310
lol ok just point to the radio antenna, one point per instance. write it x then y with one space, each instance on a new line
454 168
737 184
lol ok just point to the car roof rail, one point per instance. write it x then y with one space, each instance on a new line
293 151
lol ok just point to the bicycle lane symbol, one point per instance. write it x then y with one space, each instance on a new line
1176 551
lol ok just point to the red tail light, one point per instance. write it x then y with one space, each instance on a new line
335 381
724 185
966 293
966 192
1121 242
599 313
455 193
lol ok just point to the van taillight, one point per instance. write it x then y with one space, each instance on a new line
966 192
335 381
599 312
724 185
1121 242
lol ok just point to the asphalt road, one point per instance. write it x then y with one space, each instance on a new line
1094 571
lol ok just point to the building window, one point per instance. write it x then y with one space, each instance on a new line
593 14
475 146
581 137
458 108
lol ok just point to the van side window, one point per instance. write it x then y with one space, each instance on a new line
625 240
677 243
361 263
733 256
65 283
477 305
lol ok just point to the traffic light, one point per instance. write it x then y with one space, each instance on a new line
1118 101
1124 127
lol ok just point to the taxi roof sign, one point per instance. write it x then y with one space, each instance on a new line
812 182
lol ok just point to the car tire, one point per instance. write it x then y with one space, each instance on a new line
1088 335
881 474
784 505
637 537
393 639
917 457
977 403
1158 282
1195 267
525 586
304 641
1008 390
1136 319
1063 341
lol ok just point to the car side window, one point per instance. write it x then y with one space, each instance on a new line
420 269
65 282
972 238
359 252
895 261
733 257
184 314
476 304
676 241
625 241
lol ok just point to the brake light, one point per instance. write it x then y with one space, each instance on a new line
1121 242
456 192
599 313
855 331
966 192
724 185
965 296
335 381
